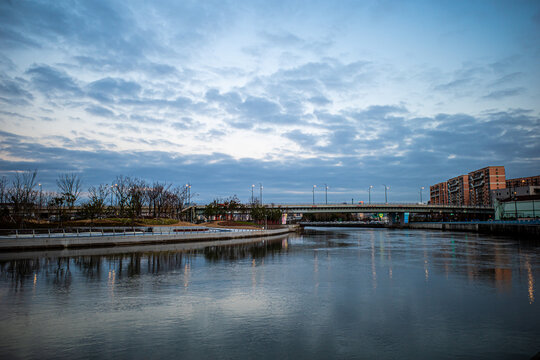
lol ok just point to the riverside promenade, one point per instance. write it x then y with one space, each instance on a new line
127 238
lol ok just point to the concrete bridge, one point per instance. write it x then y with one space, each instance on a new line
395 212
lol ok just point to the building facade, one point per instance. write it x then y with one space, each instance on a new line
524 181
458 190
438 194
483 181
516 193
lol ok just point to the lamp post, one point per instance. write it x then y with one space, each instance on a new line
370 187
385 193
39 198
252 187
422 188
326 194
314 186
188 191
261 189
112 186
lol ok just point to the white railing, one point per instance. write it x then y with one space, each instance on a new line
95 232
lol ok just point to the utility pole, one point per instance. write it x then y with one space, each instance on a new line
370 187
252 186
261 189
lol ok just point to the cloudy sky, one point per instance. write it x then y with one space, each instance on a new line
226 94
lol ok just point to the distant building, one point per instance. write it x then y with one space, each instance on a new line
438 194
474 188
483 181
516 194
458 190
523 181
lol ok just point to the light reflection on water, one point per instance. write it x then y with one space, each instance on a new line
345 293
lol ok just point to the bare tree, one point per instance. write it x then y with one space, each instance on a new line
3 190
157 195
120 189
4 198
136 196
22 193
70 186
178 199
96 206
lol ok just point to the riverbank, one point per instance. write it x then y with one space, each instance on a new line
520 229
509 229
130 239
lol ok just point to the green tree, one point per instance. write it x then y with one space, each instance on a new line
215 208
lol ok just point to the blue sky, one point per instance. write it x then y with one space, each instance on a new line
226 94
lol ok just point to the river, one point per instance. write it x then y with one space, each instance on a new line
326 293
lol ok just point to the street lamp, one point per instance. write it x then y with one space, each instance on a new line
370 187
314 186
422 188
252 187
188 191
326 194
385 193
112 186
39 198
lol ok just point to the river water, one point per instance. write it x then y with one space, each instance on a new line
328 293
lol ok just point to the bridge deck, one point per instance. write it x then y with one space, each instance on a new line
376 208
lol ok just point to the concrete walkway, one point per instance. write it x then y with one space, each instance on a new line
18 244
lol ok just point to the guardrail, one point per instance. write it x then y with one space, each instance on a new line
95 232
506 222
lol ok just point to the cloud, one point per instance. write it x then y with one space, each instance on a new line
185 123
50 81
455 84
106 89
500 94
326 98
9 114
14 90
319 100
302 138
283 39
99 111
508 78
145 119
12 39
509 138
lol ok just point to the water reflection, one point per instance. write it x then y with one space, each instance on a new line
345 292
478 258
58 270
530 279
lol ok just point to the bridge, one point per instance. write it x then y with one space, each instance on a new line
395 212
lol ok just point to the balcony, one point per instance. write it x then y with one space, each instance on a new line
477 176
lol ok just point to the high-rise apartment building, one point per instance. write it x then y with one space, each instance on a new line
482 181
438 194
458 190
524 181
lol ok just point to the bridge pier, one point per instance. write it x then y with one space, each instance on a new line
396 218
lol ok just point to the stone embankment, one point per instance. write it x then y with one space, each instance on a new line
512 229
63 242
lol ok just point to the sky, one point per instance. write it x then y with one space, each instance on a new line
287 94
